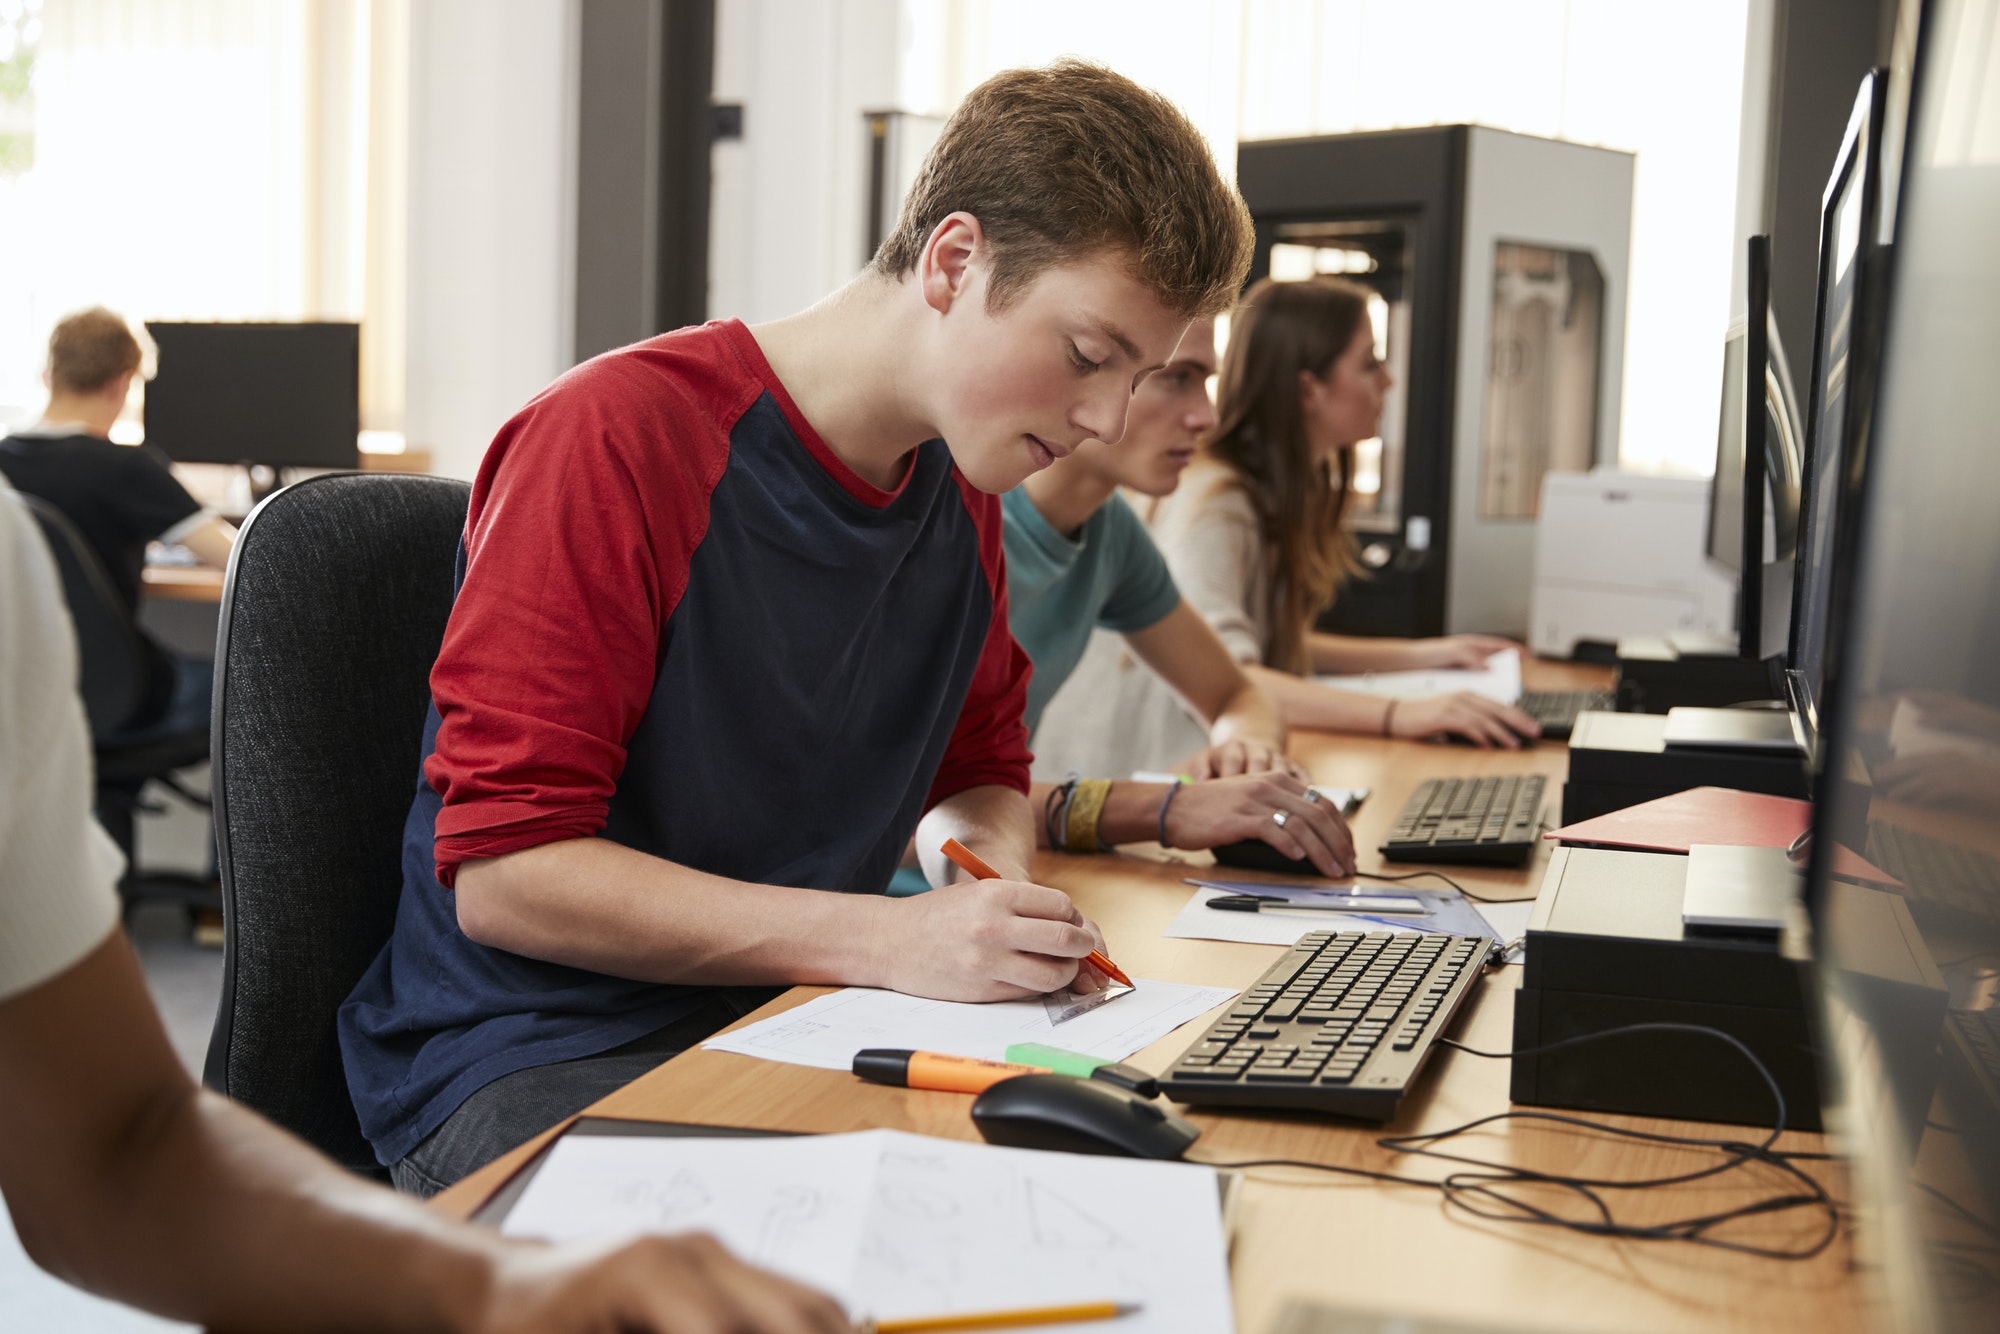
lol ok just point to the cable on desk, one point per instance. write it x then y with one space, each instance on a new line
1393 877
1482 1190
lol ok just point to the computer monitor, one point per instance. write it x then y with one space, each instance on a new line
1843 379
281 395
1756 453
1909 763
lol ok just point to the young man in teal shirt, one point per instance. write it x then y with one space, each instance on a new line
1079 558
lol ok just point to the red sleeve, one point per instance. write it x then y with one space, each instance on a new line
990 742
583 522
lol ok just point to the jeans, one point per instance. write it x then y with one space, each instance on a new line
516 1107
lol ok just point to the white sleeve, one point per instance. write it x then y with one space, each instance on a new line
58 869
1210 539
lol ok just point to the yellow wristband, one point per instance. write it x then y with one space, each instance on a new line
1085 810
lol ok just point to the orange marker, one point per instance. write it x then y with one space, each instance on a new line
934 1070
969 862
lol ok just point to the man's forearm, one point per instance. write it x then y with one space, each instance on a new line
592 903
991 820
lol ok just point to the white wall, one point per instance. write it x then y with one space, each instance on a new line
491 208
788 201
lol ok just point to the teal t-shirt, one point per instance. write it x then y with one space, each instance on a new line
1059 589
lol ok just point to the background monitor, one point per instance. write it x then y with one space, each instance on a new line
1756 454
1908 973
1844 355
283 395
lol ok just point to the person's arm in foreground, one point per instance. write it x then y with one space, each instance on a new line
125 1178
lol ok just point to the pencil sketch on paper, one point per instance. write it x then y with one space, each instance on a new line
666 1203
794 1211
1061 1224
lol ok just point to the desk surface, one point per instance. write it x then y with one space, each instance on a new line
1355 1243
182 583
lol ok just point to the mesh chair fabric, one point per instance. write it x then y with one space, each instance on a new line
336 603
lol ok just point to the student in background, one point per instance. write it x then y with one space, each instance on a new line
1078 557
731 623
1254 537
124 1178
120 497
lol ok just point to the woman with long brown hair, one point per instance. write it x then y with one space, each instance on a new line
1254 536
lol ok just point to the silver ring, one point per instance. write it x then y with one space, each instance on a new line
1312 794
1279 817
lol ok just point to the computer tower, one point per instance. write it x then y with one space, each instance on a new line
1499 264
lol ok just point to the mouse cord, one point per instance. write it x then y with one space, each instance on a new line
1395 877
1493 1191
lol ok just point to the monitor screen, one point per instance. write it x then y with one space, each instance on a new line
1847 243
1907 948
286 395
1763 602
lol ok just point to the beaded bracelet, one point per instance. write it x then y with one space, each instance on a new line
1173 789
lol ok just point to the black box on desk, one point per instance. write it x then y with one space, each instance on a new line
1606 948
1654 676
1621 759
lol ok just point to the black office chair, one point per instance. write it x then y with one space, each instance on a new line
115 666
334 607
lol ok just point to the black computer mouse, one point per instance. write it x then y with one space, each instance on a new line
1079 1116
1254 854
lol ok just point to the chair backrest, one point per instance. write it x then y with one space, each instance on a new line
114 666
334 607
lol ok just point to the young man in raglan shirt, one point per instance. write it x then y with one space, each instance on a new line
732 621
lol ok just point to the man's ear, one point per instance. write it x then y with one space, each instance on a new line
944 270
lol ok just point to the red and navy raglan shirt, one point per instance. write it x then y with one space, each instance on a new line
684 625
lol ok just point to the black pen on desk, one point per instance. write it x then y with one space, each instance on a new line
1360 906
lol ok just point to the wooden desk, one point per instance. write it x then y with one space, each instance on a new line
182 583
1363 1244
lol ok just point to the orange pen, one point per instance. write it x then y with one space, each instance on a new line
969 862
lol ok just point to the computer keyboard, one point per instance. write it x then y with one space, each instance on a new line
1556 710
1495 819
1945 884
1979 1032
1342 1023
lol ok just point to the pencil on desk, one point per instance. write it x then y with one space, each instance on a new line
971 863
1040 1315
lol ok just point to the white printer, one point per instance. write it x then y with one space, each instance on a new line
1620 555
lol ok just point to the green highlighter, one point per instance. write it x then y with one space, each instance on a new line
1075 1063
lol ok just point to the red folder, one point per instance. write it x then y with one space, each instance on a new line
1711 815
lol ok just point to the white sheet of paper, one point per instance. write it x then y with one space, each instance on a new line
1500 680
795 1205
898 1225
828 1030
1198 921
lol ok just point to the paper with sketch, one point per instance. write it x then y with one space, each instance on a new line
1501 680
900 1226
828 1030
1197 921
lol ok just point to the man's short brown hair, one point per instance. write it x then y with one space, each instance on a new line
90 349
1060 162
